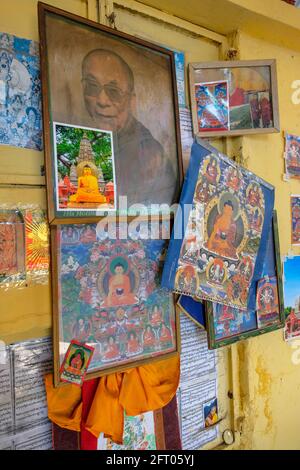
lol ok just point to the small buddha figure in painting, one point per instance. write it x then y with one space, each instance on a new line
88 189
223 235
119 287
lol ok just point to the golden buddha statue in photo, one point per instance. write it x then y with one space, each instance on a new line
88 191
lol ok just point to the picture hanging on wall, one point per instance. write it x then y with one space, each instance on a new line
295 219
292 155
12 247
291 272
99 80
20 93
227 325
234 98
107 295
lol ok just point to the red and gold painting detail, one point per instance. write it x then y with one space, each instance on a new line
75 363
222 235
292 156
295 216
37 243
12 256
110 297
267 302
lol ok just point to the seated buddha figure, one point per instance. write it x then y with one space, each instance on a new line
119 288
88 189
222 237
112 349
148 338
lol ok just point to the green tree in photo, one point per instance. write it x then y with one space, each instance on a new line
67 147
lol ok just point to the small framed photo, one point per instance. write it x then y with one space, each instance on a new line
295 219
12 247
210 413
111 123
292 156
107 295
227 325
234 98
75 364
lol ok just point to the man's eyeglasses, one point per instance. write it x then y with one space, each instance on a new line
114 93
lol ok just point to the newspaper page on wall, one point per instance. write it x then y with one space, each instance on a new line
23 405
197 392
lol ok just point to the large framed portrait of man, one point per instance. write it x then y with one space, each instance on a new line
111 127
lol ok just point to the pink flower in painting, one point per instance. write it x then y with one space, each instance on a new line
86 295
79 273
95 255
140 254
83 282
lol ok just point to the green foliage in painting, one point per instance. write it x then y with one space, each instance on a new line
287 311
68 144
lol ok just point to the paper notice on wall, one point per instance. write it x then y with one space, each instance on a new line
6 443
37 438
186 133
6 408
196 359
192 399
197 392
32 360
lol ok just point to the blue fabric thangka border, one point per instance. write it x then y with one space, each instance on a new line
20 93
219 239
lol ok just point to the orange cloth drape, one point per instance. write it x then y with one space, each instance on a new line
64 404
136 391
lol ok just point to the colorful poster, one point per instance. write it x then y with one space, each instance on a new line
110 297
84 169
295 216
74 367
179 69
229 322
291 284
225 229
12 251
250 98
139 434
267 302
37 245
210 412
212 106
20 93
292 155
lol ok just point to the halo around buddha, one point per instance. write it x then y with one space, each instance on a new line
118 260
228 197
92 166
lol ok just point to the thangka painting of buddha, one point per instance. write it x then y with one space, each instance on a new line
110 296
85 172
222 234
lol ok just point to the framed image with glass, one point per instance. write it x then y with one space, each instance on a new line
106 294
111 124
226 325
234 98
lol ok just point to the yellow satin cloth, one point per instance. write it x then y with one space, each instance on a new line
141 389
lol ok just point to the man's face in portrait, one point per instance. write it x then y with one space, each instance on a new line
107 89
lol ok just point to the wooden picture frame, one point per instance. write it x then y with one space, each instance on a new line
215 343
242 97
89 307
99 83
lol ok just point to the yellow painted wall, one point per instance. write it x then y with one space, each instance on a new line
270 381
25 313
266 381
